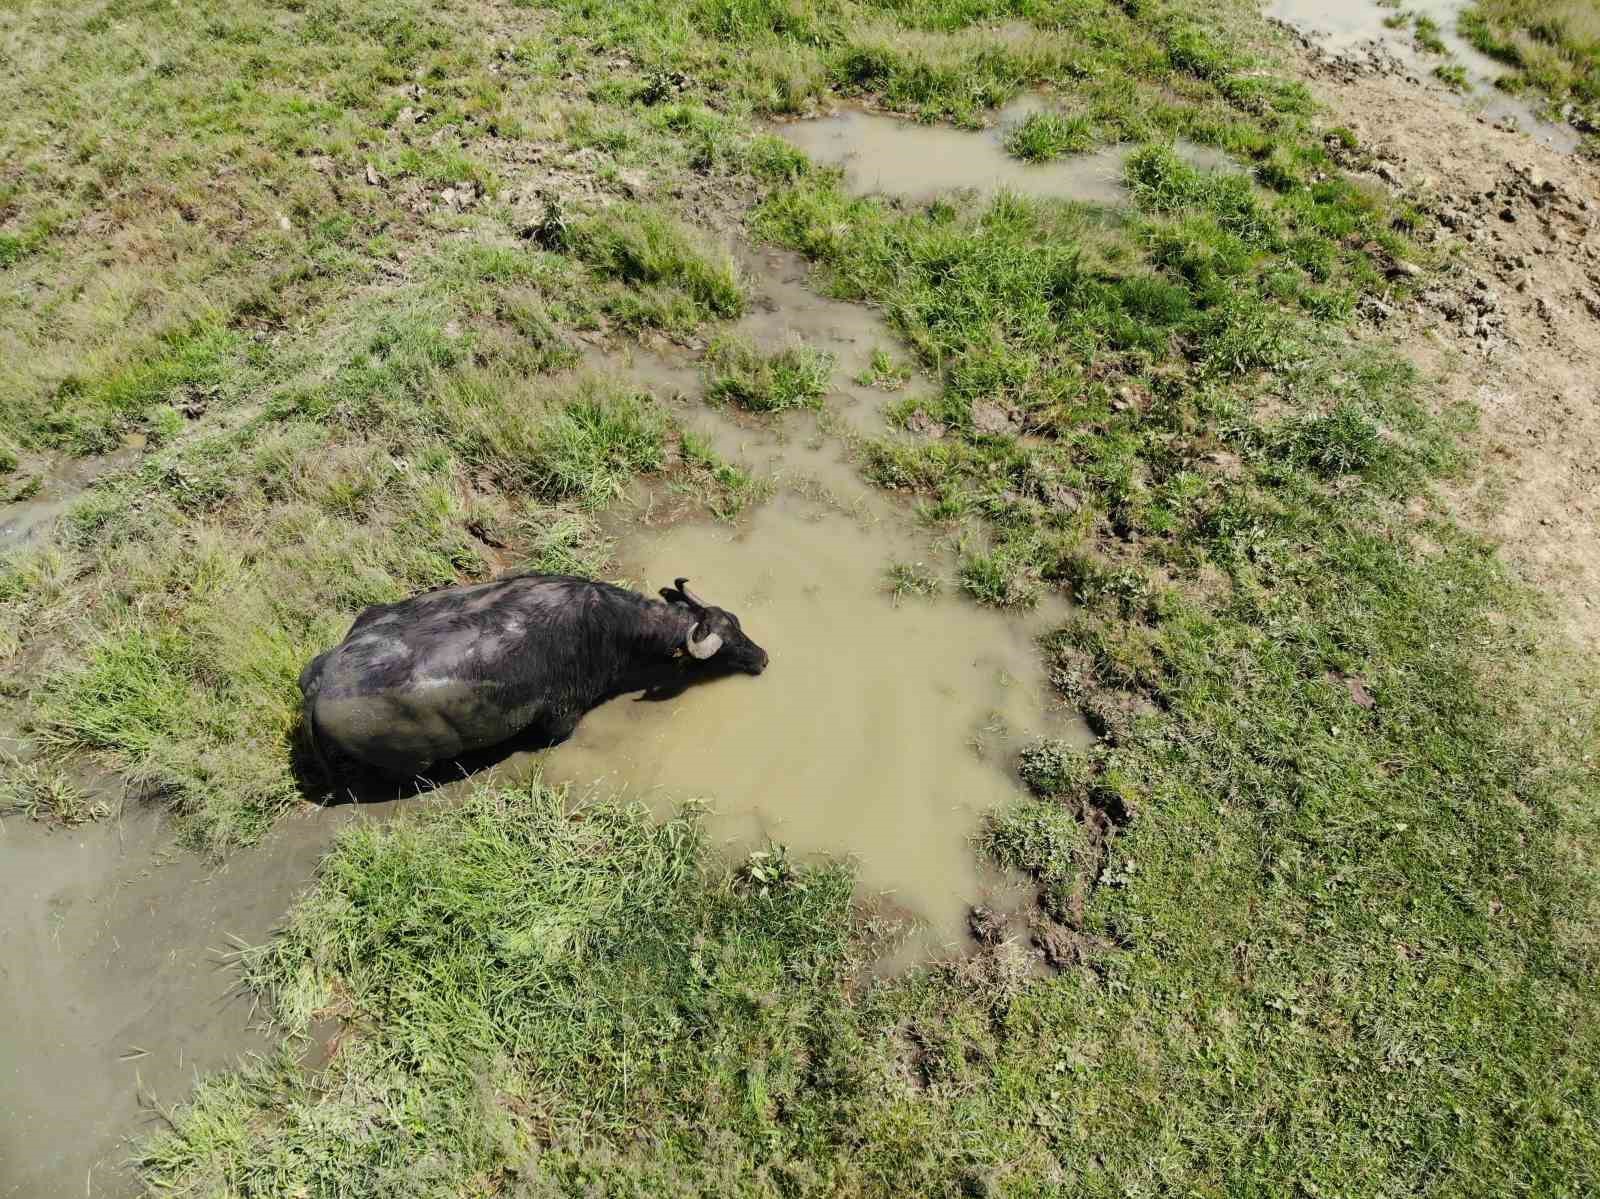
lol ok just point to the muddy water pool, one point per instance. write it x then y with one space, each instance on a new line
1344 25
881 732
114 983
894 156
883 728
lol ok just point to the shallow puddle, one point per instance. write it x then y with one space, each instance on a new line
114 990
893 156
883 728
1344 25
784 309
23 521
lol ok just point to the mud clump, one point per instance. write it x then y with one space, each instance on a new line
1063 948
987 926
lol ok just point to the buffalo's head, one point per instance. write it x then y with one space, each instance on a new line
715 637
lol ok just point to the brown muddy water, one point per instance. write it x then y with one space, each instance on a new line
1346 25
115 990
893 156
883 728
23 521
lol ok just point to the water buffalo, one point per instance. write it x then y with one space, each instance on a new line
465 668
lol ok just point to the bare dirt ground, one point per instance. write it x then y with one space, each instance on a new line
1513 325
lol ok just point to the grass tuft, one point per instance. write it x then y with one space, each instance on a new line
1047 135
657 261
906 579
796 376
590 449
1426 30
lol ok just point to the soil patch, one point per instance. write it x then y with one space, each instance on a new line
1511 326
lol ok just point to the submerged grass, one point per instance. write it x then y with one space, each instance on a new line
1321 902
41 790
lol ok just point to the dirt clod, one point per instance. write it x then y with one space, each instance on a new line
995 419
988 927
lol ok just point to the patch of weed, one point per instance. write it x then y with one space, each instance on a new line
884 373
590 448
907 579
1047 135
1426 31
794 377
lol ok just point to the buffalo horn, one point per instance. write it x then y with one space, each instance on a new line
694 600
706 647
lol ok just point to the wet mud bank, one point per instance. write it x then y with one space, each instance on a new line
115 989
1354 33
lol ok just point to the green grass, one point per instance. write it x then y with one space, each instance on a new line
1426 30
1453 75
664 279
592 449
884 372
794 377
42 790
1553 48
1046 135
1306 942
908 579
